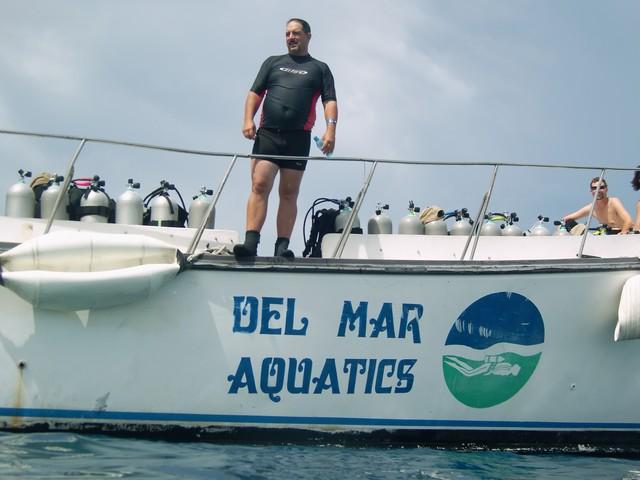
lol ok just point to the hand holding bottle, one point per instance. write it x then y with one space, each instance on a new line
321 145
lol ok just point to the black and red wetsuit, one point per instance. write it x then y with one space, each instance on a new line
291 86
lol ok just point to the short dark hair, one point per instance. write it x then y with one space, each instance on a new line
306 28
635 183
596 180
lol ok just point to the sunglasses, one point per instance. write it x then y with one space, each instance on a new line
602 187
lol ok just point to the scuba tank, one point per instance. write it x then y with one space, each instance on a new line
411 224
560 230
437 227
511 229
129 208
77 188
463 224
490 228
346 207
380 222
20 199
94 203
163 211
432 219
538 229
198 209
48 200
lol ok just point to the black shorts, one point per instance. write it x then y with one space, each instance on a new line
294 143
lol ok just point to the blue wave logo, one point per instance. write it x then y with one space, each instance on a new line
497 342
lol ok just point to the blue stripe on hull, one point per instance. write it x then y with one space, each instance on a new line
81 415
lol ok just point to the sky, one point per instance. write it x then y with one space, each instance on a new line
521 81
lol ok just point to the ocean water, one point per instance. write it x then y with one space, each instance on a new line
73 456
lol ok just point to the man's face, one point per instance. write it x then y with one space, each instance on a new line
602 192
297 39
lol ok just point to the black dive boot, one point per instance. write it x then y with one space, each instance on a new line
282 248
250 246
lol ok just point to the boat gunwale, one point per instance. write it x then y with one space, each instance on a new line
415 267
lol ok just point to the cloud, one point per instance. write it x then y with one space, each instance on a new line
416 80
51 65
389 84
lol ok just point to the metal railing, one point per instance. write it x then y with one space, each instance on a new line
474 235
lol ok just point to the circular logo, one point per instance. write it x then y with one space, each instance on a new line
493 349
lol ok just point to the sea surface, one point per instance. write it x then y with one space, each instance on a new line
74 456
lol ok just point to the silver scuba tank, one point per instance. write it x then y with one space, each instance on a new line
411 224
511 229
560 230
48 200
164 211
94 203
129 208
380 222
198 209
20 199
463 224
539 229
346 207
432 219
437 227
490 228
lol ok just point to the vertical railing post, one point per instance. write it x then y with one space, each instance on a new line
65 186
198 235
477 226
337 253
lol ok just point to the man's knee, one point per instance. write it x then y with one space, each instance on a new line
261 185
289 186
289 194
262 177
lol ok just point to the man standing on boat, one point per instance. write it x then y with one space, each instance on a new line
608 211
290 85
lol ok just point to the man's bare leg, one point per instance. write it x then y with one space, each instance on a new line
288 190
263 173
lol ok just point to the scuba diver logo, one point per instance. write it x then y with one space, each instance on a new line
493 325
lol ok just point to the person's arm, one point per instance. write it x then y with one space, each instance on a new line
621 212
583 212
331 117
251 105
254 98
637 225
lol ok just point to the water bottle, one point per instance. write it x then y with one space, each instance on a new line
319 144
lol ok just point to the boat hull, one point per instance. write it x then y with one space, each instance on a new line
422 352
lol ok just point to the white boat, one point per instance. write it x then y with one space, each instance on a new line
447 341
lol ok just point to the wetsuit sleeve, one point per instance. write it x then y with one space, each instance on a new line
328 87
260 83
